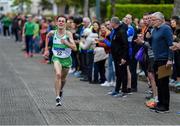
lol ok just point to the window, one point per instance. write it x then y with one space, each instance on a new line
1 8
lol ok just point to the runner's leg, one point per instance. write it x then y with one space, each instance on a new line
58 75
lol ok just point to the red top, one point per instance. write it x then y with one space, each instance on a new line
102 44
44 27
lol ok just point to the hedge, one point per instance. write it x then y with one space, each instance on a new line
137 10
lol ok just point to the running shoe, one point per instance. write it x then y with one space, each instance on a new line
106 84
161 110
148 92
129 91
149 96
112 92
117 94
58 101
151 103
177 87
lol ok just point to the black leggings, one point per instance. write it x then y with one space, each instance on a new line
177 62
6 31
102 71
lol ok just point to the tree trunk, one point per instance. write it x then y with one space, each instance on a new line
86 7
61 10
113 7
22 6
98 16
176 10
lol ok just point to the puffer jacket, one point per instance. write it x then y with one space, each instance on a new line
89 41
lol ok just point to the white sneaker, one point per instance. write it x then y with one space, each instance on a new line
106 84
58 101
112 83
72 70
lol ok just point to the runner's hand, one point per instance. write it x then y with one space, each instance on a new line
64 41
46 52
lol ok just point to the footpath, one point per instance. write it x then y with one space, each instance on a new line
27 97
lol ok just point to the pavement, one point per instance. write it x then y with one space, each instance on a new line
27 97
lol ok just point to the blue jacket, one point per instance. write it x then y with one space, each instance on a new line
162 39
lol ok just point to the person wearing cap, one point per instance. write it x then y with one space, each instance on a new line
119 50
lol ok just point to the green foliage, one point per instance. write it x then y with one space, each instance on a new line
139 9
45 4
18 2
67 2
123 1
152 1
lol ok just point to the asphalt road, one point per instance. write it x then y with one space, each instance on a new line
27 97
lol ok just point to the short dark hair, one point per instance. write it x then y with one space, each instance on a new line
176 18
78 20
62 17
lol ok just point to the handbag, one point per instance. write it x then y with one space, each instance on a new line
140 55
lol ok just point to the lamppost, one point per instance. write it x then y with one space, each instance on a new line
98 16
98 9
22 6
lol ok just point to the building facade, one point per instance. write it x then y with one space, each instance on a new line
5 6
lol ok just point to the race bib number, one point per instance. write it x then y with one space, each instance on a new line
61 53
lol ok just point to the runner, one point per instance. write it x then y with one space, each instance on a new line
62 44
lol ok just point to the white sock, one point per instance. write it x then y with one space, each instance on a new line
57 97
156 99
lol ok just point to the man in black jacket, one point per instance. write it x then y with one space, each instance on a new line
119 50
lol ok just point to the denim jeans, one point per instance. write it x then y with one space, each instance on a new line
29 43
74 60
37 44
111 69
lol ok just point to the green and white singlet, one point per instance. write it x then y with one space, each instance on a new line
61 52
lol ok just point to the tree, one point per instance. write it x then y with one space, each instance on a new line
176 10
113 7
86 8
152 1
62 4
45 4
21 4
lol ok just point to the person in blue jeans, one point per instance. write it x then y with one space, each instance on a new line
28 32
111 70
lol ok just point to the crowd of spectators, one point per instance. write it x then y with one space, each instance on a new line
110 52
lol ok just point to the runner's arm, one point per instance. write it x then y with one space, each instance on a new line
51 33
46 51
70 42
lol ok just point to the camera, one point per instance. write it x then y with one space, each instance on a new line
76 36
